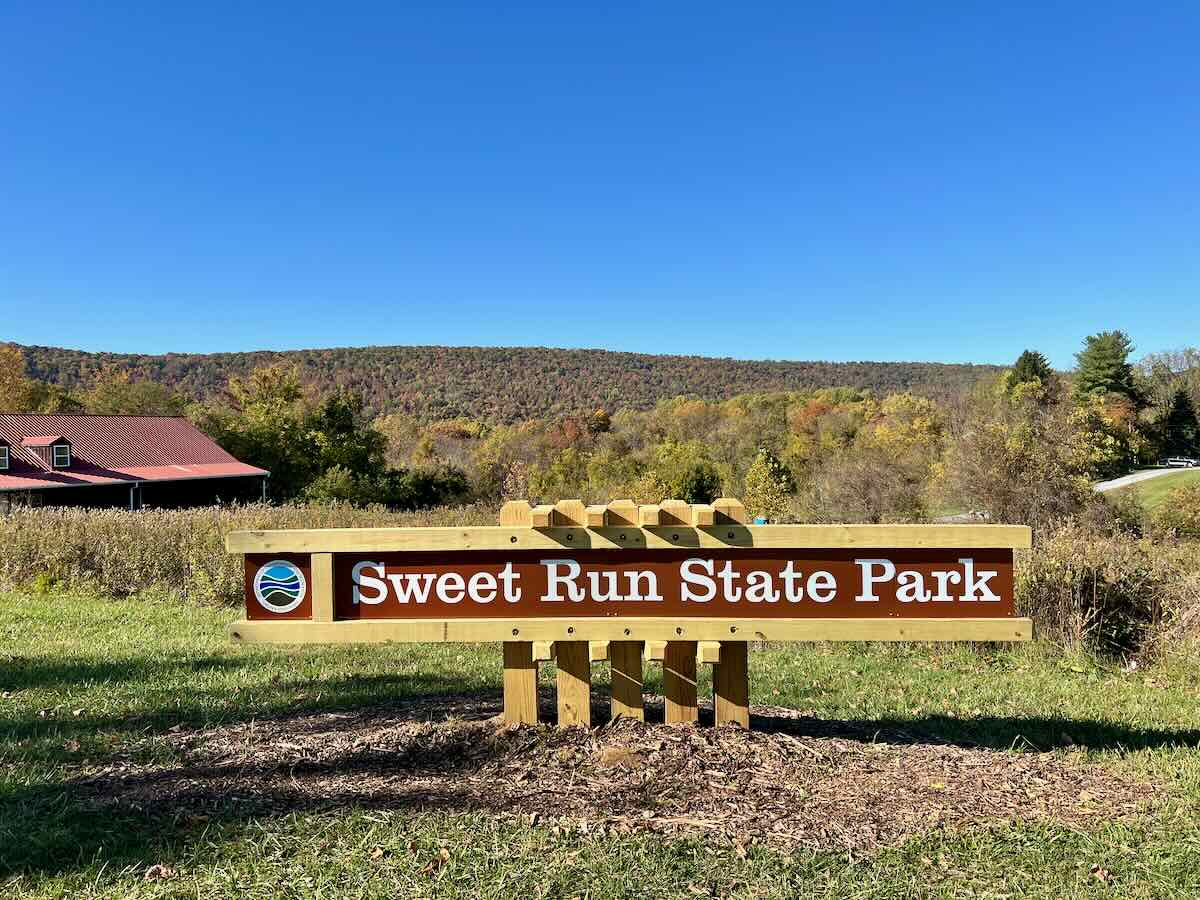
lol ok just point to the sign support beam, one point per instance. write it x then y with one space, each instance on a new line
684 584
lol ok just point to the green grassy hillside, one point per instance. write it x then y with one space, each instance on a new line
1152 493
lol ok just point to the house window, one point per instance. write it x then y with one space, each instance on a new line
62 456
3 457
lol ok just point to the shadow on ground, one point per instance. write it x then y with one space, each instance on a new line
132 814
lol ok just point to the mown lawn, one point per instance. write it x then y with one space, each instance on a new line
1152 493
82 679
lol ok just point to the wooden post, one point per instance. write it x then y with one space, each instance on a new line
622 514
516 513
574 683
729 511
626 659
520 683
570 513
321 569
675 512
679 682
520 667
731 685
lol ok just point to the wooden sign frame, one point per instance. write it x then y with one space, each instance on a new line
626 642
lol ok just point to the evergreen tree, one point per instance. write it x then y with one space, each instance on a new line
1181 429
1030 366
699 484
1103 366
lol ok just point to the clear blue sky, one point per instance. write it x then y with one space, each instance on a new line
940 181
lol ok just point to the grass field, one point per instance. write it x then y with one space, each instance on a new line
1153 492
121 693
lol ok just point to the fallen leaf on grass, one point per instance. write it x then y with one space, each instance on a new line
158 872
437 862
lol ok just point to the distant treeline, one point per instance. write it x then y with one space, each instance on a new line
504 385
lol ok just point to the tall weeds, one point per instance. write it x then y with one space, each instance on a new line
181 551
1083 584
1114 593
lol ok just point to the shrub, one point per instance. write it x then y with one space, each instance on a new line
180 551
864 486
1180 510
1016 472
1114 593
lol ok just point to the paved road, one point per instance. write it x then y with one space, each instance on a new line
1133 478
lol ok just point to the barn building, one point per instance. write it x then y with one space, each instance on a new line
117 461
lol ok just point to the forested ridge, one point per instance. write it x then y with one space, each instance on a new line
502 384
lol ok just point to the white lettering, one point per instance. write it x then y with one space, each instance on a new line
361 580
759 589
943 592
411 587
511 593
869 579
451 588
604 596
482 587
728 576
555 581
791 583
911 588
822 586
975 583
635 590
691 578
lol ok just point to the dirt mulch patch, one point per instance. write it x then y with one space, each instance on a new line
719 784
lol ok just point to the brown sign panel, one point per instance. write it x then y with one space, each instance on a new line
733 583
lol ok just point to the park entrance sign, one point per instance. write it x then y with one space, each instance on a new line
669 582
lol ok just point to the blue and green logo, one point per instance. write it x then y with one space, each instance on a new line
279 586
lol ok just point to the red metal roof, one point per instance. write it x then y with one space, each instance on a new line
45 441
112 450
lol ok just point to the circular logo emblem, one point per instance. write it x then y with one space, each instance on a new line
279 586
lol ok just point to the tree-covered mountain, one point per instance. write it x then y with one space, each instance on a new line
505 384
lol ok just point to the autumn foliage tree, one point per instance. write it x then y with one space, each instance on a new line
116 392
768 486
22 394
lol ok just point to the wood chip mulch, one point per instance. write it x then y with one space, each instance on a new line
721 785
